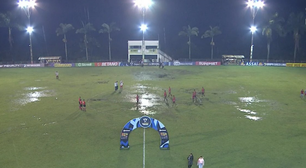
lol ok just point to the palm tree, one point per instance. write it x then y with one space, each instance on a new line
109 29
9 20
296 24
188 31
213 31
85 30
273 23
63 30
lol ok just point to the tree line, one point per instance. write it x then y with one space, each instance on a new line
295 25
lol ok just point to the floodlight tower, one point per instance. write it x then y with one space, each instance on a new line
143 4
143 28
30 30
27 6
254 5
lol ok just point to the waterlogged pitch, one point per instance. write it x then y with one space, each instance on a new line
250 117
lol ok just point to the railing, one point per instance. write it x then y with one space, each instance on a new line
165 55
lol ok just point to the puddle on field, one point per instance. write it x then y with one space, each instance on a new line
246 111
34 88
148 102
32 94
253 117
250 114
250 100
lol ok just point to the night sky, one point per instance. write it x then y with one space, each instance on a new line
165 20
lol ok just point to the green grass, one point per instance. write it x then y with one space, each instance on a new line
53 132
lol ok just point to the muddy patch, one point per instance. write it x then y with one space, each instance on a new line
144 75
162 75
93 100
103 82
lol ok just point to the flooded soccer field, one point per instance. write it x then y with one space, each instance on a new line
248 116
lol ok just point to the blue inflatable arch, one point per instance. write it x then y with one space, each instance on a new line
144 122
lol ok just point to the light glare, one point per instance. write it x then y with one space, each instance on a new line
255 4
253 29
30 29
143 3
27 4
143 27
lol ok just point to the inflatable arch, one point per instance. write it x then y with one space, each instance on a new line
144 122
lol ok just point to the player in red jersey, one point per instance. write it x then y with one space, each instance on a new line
165 96
169 92
80 103
302 93
137 99
194 95
203 91
173 100
84 105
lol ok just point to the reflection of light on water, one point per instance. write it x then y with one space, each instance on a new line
34 88
246 111
34 95
250 100
253 117
147 101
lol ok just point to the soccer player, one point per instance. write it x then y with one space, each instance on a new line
142 63
165 96
121 85
194 96
302 93
169 92
116 85
80 103
137 99
56 75
203 91
173 100
84 104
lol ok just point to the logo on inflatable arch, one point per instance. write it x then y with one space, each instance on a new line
144 122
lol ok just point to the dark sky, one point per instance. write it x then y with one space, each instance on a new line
165 19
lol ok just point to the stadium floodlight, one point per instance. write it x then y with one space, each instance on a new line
30 30
254 6
143 3
253 29
27 5
143 27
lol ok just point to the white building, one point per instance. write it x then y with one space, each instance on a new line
151 52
